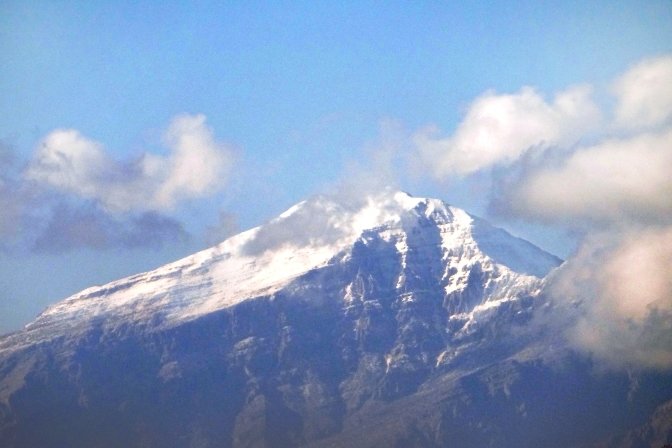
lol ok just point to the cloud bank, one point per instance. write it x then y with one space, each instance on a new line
616 180
624 284
616 190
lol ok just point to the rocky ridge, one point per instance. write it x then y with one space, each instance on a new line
385 321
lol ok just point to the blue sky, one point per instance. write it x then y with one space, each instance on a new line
297 95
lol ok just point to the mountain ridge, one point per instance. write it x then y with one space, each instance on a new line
262 260
392 327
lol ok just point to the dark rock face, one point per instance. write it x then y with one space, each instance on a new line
657 431
343 356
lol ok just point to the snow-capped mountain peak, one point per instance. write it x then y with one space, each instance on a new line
384 320
309 236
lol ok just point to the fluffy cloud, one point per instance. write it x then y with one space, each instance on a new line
73 194
644 94
616 291
72 163
616 180
196 165
623 283
619 180
618 191
499 128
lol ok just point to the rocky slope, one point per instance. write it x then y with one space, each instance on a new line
385 321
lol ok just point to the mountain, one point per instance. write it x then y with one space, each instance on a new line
384 320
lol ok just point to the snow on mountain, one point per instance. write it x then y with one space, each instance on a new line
311 235
387 320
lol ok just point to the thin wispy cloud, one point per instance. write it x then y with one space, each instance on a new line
377 166
226 226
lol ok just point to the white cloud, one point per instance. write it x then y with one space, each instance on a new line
615 180
499 128
196 166
644 94
617 190
72 163
624 284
